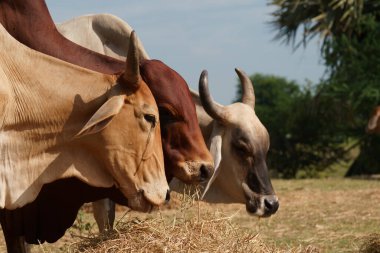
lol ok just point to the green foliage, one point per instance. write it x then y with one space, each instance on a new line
350 30
322 17
354 63
81 225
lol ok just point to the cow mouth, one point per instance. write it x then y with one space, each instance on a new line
140 203
260 205
193 172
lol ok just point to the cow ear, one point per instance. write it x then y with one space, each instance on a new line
216 152
102 116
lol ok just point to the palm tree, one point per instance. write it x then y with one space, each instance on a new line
325 18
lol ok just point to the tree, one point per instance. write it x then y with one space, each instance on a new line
350 31
326 18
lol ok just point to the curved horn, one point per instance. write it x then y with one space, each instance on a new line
248 94
213 109
132 71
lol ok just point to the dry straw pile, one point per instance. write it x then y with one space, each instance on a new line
210 234
188 228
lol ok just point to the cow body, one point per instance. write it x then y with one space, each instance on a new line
236 179
48 150
373 126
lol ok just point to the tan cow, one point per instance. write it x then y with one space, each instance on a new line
235 180
101 129
373 125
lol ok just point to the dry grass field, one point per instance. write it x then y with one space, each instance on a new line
325 215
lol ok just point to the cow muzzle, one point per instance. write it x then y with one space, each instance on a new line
194 172
139 202
260 205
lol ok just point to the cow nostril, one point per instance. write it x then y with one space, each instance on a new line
204 173
271 205
167 198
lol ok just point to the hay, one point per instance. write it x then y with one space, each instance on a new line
371 244
187 228
211 234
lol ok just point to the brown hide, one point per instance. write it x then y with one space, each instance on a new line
30 23
179 127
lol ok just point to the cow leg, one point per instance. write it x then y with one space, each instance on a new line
111 213
104 213
15 244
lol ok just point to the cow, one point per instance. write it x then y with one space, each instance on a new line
95 136
228 183
373 126
239 143
186 155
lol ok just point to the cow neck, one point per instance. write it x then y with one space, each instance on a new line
41 110
29 21
40 120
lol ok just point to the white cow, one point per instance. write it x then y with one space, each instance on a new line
238 140
239 144
60 121
104 32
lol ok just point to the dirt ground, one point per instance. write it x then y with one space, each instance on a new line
326 215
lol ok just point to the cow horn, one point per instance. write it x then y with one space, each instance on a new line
213 109
248 94
132 72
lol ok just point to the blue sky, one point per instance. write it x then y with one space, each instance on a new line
217 35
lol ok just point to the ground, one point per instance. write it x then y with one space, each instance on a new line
319 215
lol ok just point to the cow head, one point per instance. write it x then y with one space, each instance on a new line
373 125
125 133
239 144
186 155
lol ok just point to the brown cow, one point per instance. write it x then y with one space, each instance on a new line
373 126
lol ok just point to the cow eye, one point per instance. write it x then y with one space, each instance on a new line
242 148
151 119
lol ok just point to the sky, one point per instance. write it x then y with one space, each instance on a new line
217 35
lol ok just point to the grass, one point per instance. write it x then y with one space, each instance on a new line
334 215
324 215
